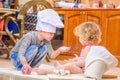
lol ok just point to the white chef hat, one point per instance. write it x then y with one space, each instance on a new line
48 21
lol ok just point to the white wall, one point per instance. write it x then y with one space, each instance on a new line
22 2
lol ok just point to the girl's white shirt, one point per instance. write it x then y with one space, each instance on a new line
101 53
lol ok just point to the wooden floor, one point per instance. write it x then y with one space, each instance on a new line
5 63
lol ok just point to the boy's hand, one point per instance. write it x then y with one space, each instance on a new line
26 69
64 49
59 50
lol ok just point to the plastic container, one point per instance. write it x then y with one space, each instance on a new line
6 4
95 5
76 4
96 69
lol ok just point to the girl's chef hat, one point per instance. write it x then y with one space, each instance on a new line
48 21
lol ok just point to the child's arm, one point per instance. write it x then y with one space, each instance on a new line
60 50
81 61
25 43
73 59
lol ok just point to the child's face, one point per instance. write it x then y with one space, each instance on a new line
47 35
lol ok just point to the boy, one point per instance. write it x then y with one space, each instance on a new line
33 47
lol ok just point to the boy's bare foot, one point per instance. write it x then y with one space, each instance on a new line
56 63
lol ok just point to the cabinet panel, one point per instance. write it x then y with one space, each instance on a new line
112 24
73 18
109 21
95 16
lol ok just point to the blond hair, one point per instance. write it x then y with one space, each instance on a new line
90 30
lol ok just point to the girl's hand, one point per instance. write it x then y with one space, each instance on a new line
76 56
26 69
73 59
64 49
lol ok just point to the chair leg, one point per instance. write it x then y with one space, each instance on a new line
47 58
1 52
4 47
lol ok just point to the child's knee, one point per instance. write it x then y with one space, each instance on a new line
32 47
31 50
42 49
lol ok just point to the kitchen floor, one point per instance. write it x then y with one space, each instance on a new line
6 63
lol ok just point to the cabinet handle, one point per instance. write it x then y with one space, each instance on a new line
80 12
83 12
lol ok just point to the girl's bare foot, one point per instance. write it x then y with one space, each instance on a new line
39 71
43 71
56 63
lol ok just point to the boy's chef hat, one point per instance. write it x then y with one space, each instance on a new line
48 21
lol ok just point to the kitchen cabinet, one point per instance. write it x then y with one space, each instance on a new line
112 31
108 19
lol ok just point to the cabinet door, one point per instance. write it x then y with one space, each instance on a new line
95 16
72 19
112 24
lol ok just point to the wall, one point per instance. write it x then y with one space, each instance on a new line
22 2
90 2
115 2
